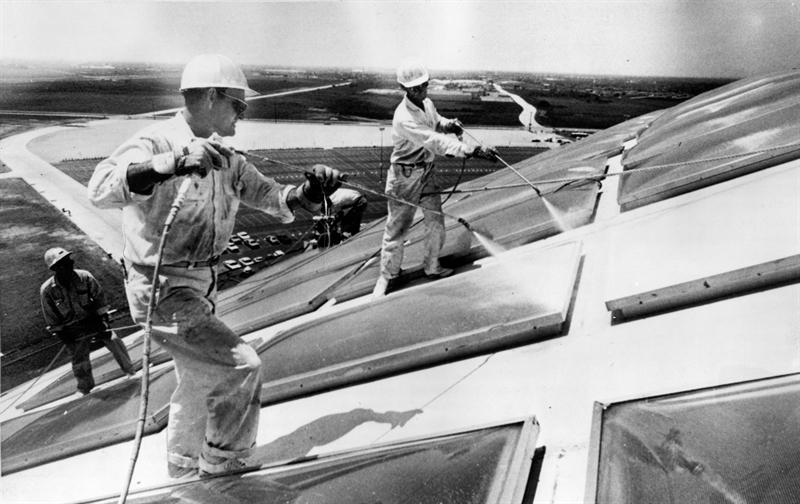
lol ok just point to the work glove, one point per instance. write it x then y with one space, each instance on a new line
202 156
321 181
481 152
455 127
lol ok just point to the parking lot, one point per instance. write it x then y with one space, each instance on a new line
260 240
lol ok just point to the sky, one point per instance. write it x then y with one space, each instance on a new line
690 38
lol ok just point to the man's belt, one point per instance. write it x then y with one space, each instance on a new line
194 264
408 168
420 164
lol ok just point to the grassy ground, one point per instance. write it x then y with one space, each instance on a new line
31 225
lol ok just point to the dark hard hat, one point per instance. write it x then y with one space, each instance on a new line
54 255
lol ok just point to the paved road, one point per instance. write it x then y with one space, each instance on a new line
64 192
526 117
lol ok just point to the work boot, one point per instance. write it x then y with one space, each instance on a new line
381 288
386 285
211 465
177 472
440 273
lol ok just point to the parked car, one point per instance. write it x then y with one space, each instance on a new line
252 243
231 264
278 253
247 270
244 235
246 261
232 249
258 259
235 239
273 240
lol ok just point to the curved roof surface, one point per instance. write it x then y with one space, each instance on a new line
734 130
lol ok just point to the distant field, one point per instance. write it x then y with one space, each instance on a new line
565 101
118 95
353 104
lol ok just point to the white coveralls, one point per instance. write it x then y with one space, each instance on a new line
215 407
418 136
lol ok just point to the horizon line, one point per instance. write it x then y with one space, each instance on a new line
350 68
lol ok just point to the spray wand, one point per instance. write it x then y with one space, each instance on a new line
460 220
516 172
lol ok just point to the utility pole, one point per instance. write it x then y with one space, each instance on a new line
380 166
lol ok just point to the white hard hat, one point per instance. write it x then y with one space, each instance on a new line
214 71
53 255
412 73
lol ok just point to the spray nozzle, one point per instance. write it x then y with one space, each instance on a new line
475 230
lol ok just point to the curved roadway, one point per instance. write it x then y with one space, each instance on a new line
64 192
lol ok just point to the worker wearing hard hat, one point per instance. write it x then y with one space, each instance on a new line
419 133
349 205
345 211
214 411
75 310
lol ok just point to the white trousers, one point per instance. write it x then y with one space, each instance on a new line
216 405
408 184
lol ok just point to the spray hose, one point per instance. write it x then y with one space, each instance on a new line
460 220
180 197
45 370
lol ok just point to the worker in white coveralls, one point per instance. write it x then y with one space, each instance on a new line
419 133
75 310
214 411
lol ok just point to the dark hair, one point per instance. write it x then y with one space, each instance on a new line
193 95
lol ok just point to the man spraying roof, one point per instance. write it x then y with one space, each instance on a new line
419 133
214 411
